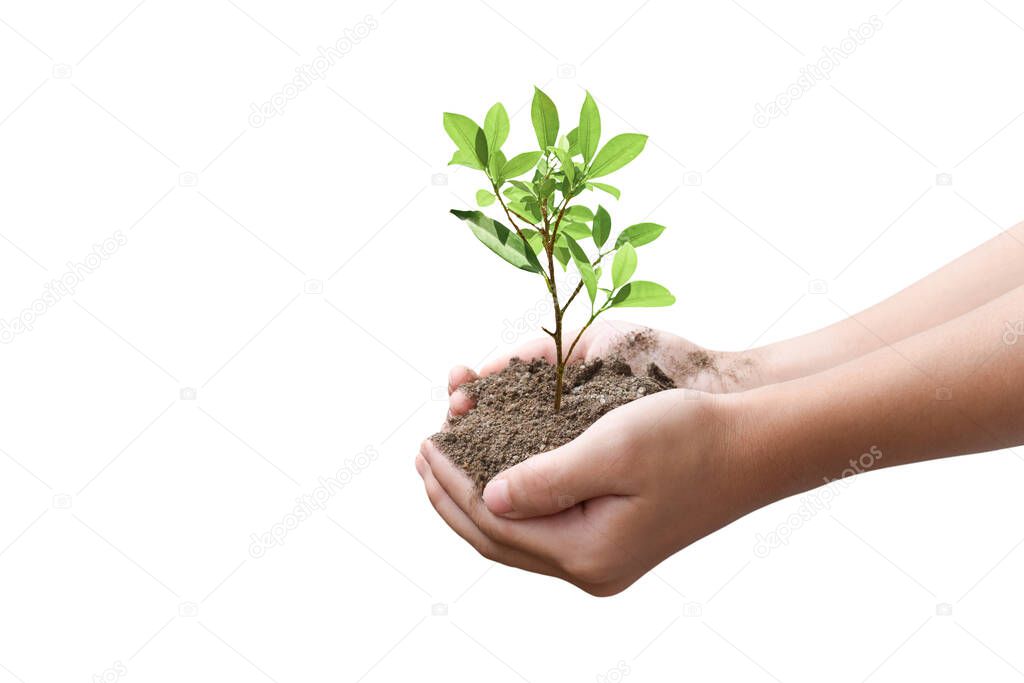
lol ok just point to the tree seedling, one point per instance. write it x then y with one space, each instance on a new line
547 226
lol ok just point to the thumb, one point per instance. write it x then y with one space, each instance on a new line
551 482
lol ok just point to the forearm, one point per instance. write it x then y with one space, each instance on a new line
950 390
981 275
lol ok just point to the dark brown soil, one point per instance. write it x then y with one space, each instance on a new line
514 416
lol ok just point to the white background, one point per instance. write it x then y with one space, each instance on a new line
127 512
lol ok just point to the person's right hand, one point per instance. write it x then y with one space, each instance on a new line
644 481
690 366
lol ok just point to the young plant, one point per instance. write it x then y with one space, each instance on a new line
547 226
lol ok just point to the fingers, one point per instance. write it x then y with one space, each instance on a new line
548 537
462 525
543 347
459 402
548 483
458 376
572 566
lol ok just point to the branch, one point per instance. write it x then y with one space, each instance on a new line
593 317
508 213
558 221
526 243
572 347
579 285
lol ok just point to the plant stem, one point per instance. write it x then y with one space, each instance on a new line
549 232
593 317
559 311
572 347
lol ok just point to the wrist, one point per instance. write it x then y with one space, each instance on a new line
764 444
778 362
814 352
736 371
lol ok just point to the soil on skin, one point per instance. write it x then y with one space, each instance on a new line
514 416
643 343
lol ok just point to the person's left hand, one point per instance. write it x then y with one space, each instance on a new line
644 481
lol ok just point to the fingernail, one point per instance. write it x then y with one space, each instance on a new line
421 465
497 498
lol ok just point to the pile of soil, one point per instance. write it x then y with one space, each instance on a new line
514 416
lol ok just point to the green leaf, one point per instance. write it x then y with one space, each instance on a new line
527 208
514 194
602 226
495 165
534 238
618 152
461 158
639 234
467 136
561 250
565 187
577 231
562 255
522 185
484 198
574 144
520 164
604 187
566 162
496 127
590 128
624 265
545 187
500 240
642 294
579 257
579 213
545 119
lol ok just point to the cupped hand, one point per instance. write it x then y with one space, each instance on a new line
644 481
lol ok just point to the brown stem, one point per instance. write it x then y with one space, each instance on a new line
593 317
572 347
552 236
558 220
549 232
549 278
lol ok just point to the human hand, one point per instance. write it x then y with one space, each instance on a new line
643 482
688 365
